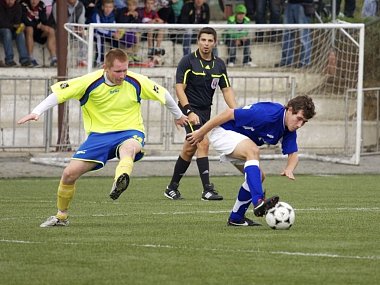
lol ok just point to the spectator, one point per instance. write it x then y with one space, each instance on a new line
165 11
235 38
261 12
177 6
349 8
90 7
295 13
37 29
129 38
75 15
106 15
11 28
49 10
197 12
370 8
250 5
149 15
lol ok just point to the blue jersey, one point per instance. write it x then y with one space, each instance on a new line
264 123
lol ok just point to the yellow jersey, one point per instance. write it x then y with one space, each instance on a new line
108 108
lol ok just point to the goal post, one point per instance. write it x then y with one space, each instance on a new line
334 69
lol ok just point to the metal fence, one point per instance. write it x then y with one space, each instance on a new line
18 97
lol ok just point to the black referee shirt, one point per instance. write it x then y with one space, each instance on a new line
201 78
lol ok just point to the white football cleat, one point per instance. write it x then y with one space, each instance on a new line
53 221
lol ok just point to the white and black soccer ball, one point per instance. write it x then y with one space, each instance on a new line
280 217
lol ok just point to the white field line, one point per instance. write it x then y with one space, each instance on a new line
162 246
374 209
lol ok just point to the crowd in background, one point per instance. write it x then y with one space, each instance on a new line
34 21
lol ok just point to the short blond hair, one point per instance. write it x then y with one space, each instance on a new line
113 54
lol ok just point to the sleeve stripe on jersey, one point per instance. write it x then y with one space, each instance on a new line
136 85
92 86
185 76
226 80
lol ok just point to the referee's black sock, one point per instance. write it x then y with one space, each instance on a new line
180 169
204 173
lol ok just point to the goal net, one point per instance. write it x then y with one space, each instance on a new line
272 63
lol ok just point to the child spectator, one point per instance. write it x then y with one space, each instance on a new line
105 15
149 15
130 37
235 38
37 29
11 28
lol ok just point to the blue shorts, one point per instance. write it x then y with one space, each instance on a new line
101 147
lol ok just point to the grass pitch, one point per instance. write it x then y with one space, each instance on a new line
144 238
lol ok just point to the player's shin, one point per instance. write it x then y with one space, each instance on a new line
125 166
242 203
64 196
253 178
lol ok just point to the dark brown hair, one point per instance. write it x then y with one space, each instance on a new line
207 30
302 102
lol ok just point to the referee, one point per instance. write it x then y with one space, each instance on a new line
197 77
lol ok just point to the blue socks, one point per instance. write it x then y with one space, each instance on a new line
250 191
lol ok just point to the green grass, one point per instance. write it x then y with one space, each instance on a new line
143 238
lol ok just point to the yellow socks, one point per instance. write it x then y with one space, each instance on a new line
125 166
64 195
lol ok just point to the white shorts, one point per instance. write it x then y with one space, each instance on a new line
225 142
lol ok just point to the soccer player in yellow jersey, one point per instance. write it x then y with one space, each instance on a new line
110 99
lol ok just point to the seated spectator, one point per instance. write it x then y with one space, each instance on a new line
165 11
235 38
149 15
197 12
177 6
129 38
90 7
105 15
37 29
11 28
75 15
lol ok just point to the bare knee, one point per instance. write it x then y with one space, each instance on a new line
69 176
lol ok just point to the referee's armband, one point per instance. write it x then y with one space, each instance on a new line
187 109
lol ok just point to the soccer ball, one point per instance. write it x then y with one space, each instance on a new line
280 217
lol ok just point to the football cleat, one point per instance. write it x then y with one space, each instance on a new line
264 205
119 186
53 221
172 192
209 194
242 223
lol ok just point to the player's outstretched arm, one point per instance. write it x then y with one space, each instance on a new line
27 118
180 119
47 103
290 166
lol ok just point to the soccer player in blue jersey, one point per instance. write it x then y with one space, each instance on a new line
110 99
238 133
